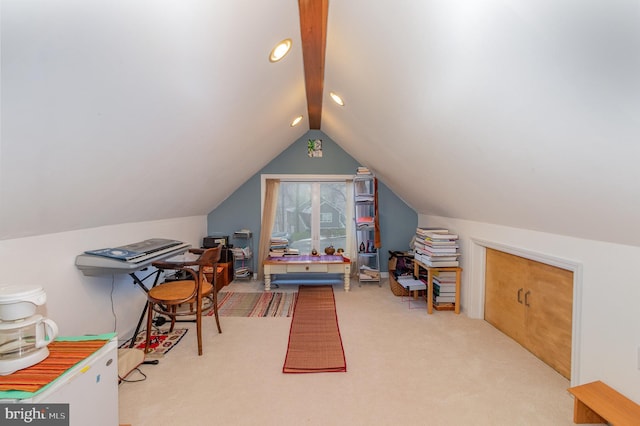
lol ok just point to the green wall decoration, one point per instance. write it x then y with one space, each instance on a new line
314 148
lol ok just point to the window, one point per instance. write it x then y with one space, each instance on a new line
314 212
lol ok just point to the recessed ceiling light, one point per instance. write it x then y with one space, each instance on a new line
296 121
280 50
337 99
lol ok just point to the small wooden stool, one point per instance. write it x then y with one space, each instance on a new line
596 402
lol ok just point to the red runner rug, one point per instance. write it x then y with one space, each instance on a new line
315 345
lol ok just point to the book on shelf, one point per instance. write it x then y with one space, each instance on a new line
428 261
444 286
434 237
444 299
436 243
443 258
364 219
364 197
367 273
436 248
445 275
436 251
448 306
443 264
425 229
437 292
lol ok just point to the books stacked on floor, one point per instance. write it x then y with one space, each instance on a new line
363 171
444 288
436 247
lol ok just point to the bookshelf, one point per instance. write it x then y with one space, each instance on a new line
243 254
433 271
365 202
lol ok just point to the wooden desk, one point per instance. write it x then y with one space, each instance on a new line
303 264
430 273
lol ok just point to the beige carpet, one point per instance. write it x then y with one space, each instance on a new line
405 368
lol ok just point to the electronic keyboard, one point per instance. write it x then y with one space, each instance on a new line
130 258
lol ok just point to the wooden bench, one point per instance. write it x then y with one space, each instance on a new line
596 402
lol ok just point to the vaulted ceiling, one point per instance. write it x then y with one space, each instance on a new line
516 112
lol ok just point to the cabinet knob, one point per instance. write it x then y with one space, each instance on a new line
526 298
306 268
520 295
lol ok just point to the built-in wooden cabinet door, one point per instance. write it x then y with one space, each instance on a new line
531 302
504 293
549 315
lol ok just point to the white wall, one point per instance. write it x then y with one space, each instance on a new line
83 305
607 308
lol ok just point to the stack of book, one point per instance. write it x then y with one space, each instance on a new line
444 288
363 171
436 247
278 247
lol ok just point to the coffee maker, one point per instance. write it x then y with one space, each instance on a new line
24 335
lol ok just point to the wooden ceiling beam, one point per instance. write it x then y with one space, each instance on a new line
313 29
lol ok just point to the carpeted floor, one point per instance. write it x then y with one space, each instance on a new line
405 368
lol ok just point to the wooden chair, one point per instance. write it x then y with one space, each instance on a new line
166 297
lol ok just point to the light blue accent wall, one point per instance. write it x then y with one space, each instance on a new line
398 221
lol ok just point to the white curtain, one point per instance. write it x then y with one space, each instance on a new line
272 187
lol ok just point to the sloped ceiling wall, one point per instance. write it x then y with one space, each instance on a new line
117 111
522 113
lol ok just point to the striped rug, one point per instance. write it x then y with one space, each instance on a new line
263 304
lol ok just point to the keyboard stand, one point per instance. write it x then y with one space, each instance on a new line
140 283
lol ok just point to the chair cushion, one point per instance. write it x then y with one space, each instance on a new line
176 290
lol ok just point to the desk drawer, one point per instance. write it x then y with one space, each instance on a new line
307 268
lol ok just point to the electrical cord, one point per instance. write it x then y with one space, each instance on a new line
124 380
113 311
